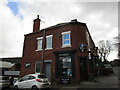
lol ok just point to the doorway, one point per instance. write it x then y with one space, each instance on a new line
83 71
48 70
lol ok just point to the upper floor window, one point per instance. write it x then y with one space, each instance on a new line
39 43
49 42
66 41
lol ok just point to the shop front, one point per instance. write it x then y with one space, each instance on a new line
65 65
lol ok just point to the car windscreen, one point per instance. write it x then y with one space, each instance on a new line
42 76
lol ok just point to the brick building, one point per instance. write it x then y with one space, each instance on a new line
10 66
65 49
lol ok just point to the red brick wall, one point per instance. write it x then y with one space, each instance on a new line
36 24
78 35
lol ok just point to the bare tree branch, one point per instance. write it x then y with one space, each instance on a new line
104 49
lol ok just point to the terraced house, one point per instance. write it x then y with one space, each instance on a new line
65 49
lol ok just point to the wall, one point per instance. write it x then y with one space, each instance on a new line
78 36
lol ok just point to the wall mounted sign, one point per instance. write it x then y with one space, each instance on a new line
27 65
82 48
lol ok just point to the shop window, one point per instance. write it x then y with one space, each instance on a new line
66 68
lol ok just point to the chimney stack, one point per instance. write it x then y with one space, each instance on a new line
36 24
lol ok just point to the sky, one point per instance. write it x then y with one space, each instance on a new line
16 20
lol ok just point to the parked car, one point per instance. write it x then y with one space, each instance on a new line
105 71
109 67
15 80
32 81
4 82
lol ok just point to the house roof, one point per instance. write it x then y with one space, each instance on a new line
74 21
4 64
62 24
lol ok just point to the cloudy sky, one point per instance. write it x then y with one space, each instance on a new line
16 20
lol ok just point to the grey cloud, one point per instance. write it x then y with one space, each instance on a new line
54 13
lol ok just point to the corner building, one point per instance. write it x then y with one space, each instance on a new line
65 49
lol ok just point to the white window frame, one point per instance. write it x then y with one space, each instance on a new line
39 38
63 33
47 48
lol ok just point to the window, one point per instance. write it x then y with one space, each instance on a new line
39 43
24 78
66 66
66 39
49 42
42 76
31 77
38 67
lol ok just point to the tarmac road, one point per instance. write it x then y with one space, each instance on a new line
104 81
109 81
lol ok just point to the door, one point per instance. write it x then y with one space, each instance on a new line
38 67
83 71
48 70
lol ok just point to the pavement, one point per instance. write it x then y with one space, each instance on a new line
104 81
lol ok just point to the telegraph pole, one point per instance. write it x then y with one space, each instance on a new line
43 46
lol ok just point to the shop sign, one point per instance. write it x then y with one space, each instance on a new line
12 73
82 48
65 54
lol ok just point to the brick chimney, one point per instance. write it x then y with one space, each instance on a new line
36 24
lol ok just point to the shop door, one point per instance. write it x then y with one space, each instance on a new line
83 71
48 70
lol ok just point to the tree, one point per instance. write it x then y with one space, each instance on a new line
117 44
104 48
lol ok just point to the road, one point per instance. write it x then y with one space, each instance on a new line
108 81
104 81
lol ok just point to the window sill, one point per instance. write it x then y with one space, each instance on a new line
66 46
48 48
39 50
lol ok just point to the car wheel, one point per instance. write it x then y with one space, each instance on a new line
15 87
34 88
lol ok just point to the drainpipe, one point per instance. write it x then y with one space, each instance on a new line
43 51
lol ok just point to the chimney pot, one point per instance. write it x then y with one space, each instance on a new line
37 16
74 20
